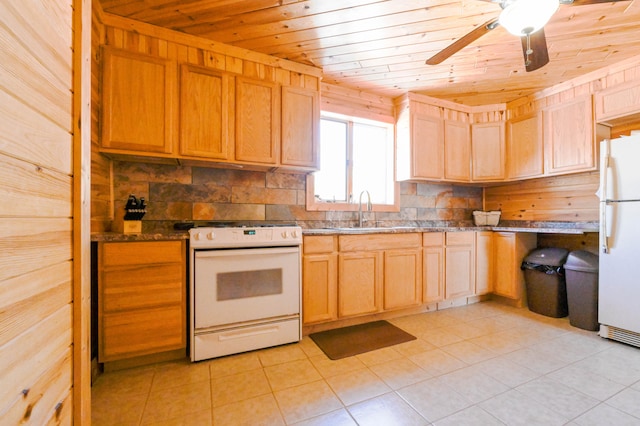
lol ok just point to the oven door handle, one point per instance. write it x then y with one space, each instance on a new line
203 254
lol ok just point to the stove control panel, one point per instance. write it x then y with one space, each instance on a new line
245 237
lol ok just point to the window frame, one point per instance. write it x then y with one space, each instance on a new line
314 205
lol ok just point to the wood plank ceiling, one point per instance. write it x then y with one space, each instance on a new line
381 46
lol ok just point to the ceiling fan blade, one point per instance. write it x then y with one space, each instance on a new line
585 2
539 55
462 42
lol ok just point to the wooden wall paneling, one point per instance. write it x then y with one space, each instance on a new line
101 166
561 198
28 298
33 354
80 407
356 103
37 64
571 242
237 53
32 190
48 144
47 391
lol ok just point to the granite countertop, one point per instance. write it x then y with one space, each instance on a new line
117 237
536 227
405 229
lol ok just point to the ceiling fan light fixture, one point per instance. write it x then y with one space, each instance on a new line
522 17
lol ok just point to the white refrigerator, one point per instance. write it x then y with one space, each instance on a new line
619 260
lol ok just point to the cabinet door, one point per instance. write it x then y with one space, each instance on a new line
319 287
506 282
484 262
204 113
138 98
300 120
569 137
402 278
459 271
433 275
525 147
427 146
487 151
257 121
617 101
359 283
457 151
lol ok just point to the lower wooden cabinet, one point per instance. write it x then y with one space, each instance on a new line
353 275
459 259
509 248
367 274
402 278
449 265
433 266
359 283
141 298
484 262
319 278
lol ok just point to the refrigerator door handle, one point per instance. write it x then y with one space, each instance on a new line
603 197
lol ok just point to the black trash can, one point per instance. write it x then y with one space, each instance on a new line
544 278
581 275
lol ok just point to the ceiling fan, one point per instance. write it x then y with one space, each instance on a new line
523 18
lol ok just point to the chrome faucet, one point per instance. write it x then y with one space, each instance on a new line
369 206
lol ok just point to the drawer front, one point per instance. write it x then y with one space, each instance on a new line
460 238
143 332
139 252
435 239
142 287
319 244
378 242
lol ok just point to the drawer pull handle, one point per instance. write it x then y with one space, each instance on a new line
248 333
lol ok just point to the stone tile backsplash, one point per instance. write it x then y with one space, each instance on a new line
181 193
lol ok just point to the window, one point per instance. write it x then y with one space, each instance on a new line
356 155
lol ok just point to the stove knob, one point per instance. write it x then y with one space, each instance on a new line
294 234
284 235
211 235
197 236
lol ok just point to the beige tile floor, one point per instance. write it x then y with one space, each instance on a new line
482 364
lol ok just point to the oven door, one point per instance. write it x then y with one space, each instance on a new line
240 285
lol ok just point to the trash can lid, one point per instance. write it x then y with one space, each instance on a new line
552 256
582 261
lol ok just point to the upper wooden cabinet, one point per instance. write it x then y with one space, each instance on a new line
457 151
488 156
438 143
257 121
427 147
300 127
205 113
525 147
618 101
569 137
138 103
